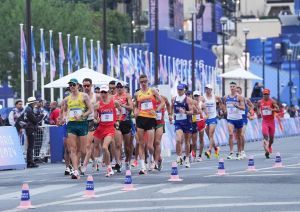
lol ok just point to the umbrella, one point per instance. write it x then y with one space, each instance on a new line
240 74
96 77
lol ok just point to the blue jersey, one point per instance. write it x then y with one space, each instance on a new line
179 117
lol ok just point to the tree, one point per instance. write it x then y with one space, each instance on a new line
59 16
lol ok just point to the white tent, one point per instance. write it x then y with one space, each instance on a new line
96 77
240 73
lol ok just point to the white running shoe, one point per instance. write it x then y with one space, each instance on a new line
231 156
187 163
179 160
239 156
109 172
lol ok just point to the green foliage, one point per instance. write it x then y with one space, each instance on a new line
68 17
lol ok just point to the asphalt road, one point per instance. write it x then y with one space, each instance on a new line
267 189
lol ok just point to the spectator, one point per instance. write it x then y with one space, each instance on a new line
54 113
39 110
293 111
286 115
32 121
257 91
97 90
15 113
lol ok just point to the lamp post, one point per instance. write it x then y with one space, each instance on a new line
193 52
246 32
104 43
263 41
223 21
156 43
289 53
278 48
298 59
29 81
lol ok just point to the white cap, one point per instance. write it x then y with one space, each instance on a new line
196 93
104 88
208 86
284 105
31 99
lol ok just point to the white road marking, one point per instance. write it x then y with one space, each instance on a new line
181 188
260 175
36 191
221 205
97 189
155 200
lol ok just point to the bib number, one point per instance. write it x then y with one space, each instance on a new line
146 106
75 112
266 112
107 117
158 116
198 117
180 116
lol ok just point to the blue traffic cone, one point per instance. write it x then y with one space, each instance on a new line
25 198
89 190
278 162
251 167
221 167
174 173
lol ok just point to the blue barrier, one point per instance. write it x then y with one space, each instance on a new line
56 143
11 154
291 127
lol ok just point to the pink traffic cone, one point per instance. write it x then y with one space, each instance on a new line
25 198
251 167
89 189
128 186
174 173
221 167
278 162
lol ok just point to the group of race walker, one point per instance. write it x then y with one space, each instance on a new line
100 123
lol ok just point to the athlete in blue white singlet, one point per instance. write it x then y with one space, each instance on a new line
234 103
182 106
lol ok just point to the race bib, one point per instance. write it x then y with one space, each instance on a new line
158 116
180 116
107 117
266 112
231 108
146 106
75 112
198 117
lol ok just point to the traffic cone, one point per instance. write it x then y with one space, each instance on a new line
89 189
221 167
278 162
174 173
25 198
128 186
251 167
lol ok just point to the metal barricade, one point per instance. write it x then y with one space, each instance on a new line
42 144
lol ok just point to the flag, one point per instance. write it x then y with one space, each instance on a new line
161 69
33 56
165 70
126 65
147 65
85 55
23 50
93 57
99 57
43 54
141 65
77 54
70 59
61 57
52 57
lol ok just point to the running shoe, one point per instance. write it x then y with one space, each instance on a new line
199 159
75 175
179 160
270 150
231 156
109 172
80 170
134 163
217 152
83 169
187 163
267 154
159 165
208 154
244 156
239 156
142 172
117 167
127 166
67 171
151 166
193 154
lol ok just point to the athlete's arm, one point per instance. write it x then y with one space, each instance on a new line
167 103
87 102
223 101
118 106
258 109
136 108
191 106
62 112
129 105
240 105
171 109
249 103
160 99
276 107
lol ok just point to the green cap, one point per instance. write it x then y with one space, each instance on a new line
75 81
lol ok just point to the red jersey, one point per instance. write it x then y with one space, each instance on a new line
123 100
54 116
107 113
160 115
266 110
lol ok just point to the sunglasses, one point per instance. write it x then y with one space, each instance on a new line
196 95
104 92
86 86
72 85
144 81
112 88
119 87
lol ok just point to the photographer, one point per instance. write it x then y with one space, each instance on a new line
31 128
